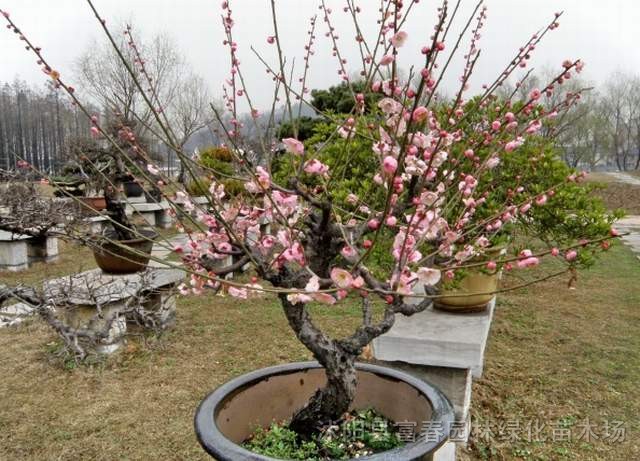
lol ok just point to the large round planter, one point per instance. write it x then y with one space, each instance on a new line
132 189
230 414
114 259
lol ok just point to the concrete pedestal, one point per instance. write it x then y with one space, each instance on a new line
45 249
438 338
100 301
445 349
154 214
17 250
14 255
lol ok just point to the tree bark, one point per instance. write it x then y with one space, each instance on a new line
338 358
332 401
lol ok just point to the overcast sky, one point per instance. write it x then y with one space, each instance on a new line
603 33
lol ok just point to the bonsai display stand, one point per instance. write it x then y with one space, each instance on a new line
445 349
101 302
155 214
17 251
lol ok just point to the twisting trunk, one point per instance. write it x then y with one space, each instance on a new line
338 359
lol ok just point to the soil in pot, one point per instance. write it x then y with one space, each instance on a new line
357 434
112 258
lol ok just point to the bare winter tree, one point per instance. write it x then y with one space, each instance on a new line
189 112
620 107
102 73
35 124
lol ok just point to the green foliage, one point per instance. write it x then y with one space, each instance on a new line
351 162
218 159
219 162
305 125
339 99
571 212
362 433
198 187
281 443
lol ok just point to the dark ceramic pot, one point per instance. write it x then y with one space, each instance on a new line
113 259
230 414
132 189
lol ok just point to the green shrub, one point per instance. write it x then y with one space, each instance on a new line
198 187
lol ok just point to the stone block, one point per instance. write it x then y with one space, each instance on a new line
139 199
163 218
455 383
14 255
97 224
15 314
109 317
437 338
160 307
446 452
95 286
45 249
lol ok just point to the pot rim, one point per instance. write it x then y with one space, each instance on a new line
216 444
151 234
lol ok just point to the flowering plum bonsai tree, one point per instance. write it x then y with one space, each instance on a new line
429 187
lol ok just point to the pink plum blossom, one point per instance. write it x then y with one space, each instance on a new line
341 277
389 164
315 166
399 39
293 146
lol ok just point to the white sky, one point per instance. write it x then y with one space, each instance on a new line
603 33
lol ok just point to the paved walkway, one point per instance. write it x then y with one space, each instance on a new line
623 177
630 224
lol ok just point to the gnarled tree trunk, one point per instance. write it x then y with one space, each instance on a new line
331 402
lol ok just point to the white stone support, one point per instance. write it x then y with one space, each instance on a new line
95 300
14 255
97 224
445 349
154 214
17 250
164 220
45 249
438 338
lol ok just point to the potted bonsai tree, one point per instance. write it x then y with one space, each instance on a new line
320 244
122 248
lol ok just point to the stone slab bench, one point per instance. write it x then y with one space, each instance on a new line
442 348
17 251
155 214
96 300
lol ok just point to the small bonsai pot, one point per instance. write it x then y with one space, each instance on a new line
478 288
113 259
230 414
95 203
132 189
475 282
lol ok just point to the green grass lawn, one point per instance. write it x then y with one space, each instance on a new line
561 357
554 354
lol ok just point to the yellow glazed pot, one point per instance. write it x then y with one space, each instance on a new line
476 281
